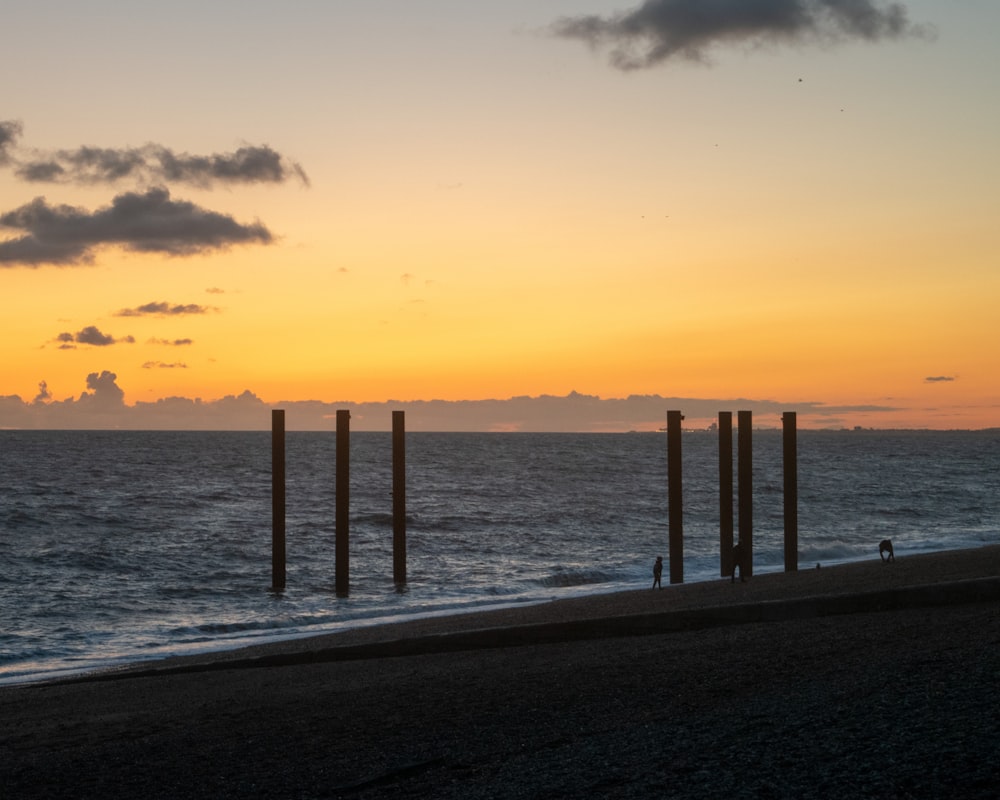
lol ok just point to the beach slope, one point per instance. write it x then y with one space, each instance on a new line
865 679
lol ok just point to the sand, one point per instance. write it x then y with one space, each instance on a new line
861 680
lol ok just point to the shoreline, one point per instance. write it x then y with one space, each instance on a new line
222 649
923 580
861 679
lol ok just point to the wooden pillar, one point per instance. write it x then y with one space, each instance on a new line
343 491
399 497
791 475
726 492
745 489
675 496
277 499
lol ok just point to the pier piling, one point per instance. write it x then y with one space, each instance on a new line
399 497
675 496
745 489
726 492
343 489
277 499
791 498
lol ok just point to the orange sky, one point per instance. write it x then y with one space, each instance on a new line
495 210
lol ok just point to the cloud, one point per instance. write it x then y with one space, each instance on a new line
85 165
172 342
103 408
148 223
44 395
662 30
164 310
143 221
105 394
939 379
151 164
162 365
246 165
90 336
10 132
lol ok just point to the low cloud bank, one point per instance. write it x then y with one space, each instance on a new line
103 406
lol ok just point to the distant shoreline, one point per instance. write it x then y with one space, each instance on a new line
514 432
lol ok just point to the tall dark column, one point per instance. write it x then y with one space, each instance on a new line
745 489
343 489
791 475
726 492
675 496
277 499
398 497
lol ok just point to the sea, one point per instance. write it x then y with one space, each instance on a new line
118 547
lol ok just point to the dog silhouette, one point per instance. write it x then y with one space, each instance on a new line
885 546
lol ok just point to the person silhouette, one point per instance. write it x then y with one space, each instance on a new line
739 557
658 572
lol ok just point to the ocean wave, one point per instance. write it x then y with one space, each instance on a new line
833 552
224 629
564 577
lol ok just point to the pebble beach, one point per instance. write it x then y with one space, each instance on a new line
858 680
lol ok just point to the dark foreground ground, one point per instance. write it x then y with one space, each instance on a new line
856 681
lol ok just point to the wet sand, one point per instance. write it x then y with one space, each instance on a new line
865 679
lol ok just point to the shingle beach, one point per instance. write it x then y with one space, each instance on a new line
858 680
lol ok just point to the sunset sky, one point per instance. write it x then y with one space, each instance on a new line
363 200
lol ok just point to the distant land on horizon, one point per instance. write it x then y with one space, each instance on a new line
103 407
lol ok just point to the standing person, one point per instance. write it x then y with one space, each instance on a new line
658 572
739 554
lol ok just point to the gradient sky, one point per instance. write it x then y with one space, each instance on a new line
449 200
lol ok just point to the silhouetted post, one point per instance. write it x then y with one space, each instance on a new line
791 471
399 496
726 492
277 499
745 490
343 490
675 496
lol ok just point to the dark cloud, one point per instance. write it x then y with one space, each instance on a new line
104 393
90 336
660 30
172 342
162 365
150 164
938 379
10 132
140 221
43 395
41 172
246 165
164 310
85 165
148 223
